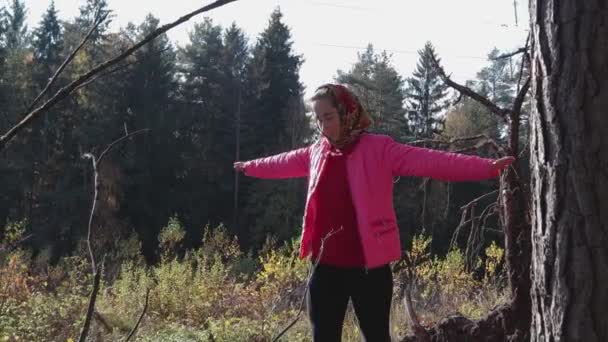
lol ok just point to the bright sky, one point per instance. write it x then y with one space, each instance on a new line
329 33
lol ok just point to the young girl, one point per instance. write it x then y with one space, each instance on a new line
349 227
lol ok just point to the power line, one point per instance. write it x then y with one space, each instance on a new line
409 52
328 4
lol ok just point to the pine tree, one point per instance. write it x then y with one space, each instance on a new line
47 45
275 121
151 163
236 58
380 88
89 12
498 80
16 32
3 30
3 53
426 95
274 78
206 128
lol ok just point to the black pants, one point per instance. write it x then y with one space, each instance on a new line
371 292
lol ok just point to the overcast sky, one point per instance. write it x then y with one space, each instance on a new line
329 33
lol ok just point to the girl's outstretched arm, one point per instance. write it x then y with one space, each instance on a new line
406 160
290 164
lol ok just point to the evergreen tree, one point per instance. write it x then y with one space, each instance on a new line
380 88
206 125
426 95
3 84
151 162
274 72
47 45
3 38
16 30
236 58
274 121
89 12
498 80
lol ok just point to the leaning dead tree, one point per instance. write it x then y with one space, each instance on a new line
509 322
35 111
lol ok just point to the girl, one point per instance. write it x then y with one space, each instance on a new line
349 227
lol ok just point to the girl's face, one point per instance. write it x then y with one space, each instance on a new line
327 118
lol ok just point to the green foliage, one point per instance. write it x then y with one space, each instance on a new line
443 285
171 238
468 119
203 296
13 232
379 87
16 32
426 94
29 311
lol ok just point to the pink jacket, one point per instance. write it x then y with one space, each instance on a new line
371 166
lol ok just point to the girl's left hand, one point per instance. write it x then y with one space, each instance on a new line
501 164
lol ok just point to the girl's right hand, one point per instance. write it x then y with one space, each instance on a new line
239 166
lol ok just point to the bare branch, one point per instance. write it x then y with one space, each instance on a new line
448 142
408 266
91 309
469 92
103 321
96 162
521 96
511 54
99 19
96 268
473 202
483 140
143 312
101 75
68 89
523 62
11 246
419 331
118 141
95 197
310 274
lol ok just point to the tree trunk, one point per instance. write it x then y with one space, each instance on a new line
569 161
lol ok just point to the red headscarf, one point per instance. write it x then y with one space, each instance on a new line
353 120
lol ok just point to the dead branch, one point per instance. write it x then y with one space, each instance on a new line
447 142
408 267
99 19
521 65
96 269
521 96
473 202
64 92
11 246
87 321
501 112
101 75
476 235
483 140
141 316
103 321
467 211
310 274
511 54
419 331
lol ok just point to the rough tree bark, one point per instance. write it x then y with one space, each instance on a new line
569 160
